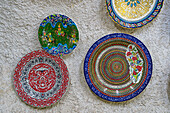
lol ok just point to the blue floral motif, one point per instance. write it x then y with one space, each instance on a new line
59 50
132 2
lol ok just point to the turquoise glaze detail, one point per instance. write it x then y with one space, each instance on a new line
132 2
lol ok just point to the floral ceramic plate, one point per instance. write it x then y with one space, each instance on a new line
118 67
58 34
133 13
41 79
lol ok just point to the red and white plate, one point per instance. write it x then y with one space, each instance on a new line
41 79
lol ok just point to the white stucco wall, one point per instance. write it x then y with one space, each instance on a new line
19 23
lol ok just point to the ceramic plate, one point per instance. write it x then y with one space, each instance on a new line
58 34
117 67
133 13
40 79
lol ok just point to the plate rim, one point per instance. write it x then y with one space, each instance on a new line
49 56
125 98
157 8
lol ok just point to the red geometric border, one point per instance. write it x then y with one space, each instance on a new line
38 102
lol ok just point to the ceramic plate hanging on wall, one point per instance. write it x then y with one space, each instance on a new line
118 67
133 13
41 79
58 34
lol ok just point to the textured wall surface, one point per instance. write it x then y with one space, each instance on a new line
19 23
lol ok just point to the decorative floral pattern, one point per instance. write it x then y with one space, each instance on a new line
130 10
60 49
41 79
132 2
125 12
59 32
111 91
56 31
135 63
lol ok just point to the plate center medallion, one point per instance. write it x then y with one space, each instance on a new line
133 10
42 77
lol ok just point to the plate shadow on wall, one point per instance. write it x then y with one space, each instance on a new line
168 88
83 81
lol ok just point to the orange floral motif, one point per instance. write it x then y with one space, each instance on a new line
59 32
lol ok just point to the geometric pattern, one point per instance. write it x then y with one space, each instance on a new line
113 66
133 13
107 70
40 79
